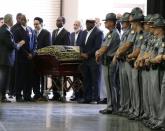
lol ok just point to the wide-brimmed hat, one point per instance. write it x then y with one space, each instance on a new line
159 23
137 17
110 16
147 19
125 17
136 10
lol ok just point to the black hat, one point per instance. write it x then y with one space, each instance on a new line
147 18
159 23
155 17
125 17
136 10
110 16
137 17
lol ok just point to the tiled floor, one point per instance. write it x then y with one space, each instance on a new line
62 117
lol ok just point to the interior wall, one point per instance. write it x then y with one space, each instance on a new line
70 12
83 9
49 10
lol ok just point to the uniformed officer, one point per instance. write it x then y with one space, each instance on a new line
107 51
124 85
147 54
144 71
124 50
158 89
136 24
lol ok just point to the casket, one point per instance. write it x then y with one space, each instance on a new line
59 61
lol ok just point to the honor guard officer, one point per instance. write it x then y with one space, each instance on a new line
157 62
139 64
124 85
136 24
107 51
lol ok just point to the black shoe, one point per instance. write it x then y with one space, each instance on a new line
55 98
105 111
10 96
35 97
42 99
104 101
85 101
73 99
28 99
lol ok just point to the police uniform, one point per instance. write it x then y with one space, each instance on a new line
145 74
124 85
137 17
159 93
130 39
112 41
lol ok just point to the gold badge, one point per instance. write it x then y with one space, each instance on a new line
163 45
132 32
141 37
109 36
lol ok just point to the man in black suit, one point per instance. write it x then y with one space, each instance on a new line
7 54
76 39
43 40
76 36
60 36
24 60
92 39
12 79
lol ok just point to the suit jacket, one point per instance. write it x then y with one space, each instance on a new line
79 38
7 47
30 43
15 27
63 38
43 39
93 43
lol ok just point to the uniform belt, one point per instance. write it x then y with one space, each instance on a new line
107 60
122 59
147 68
154 66
162 66
131 62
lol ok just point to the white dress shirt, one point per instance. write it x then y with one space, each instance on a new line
88 34
59 30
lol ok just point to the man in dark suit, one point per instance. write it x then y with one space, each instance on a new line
43 40
92 39
12 79
7 54
76 39
24 60
60 36
76 36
